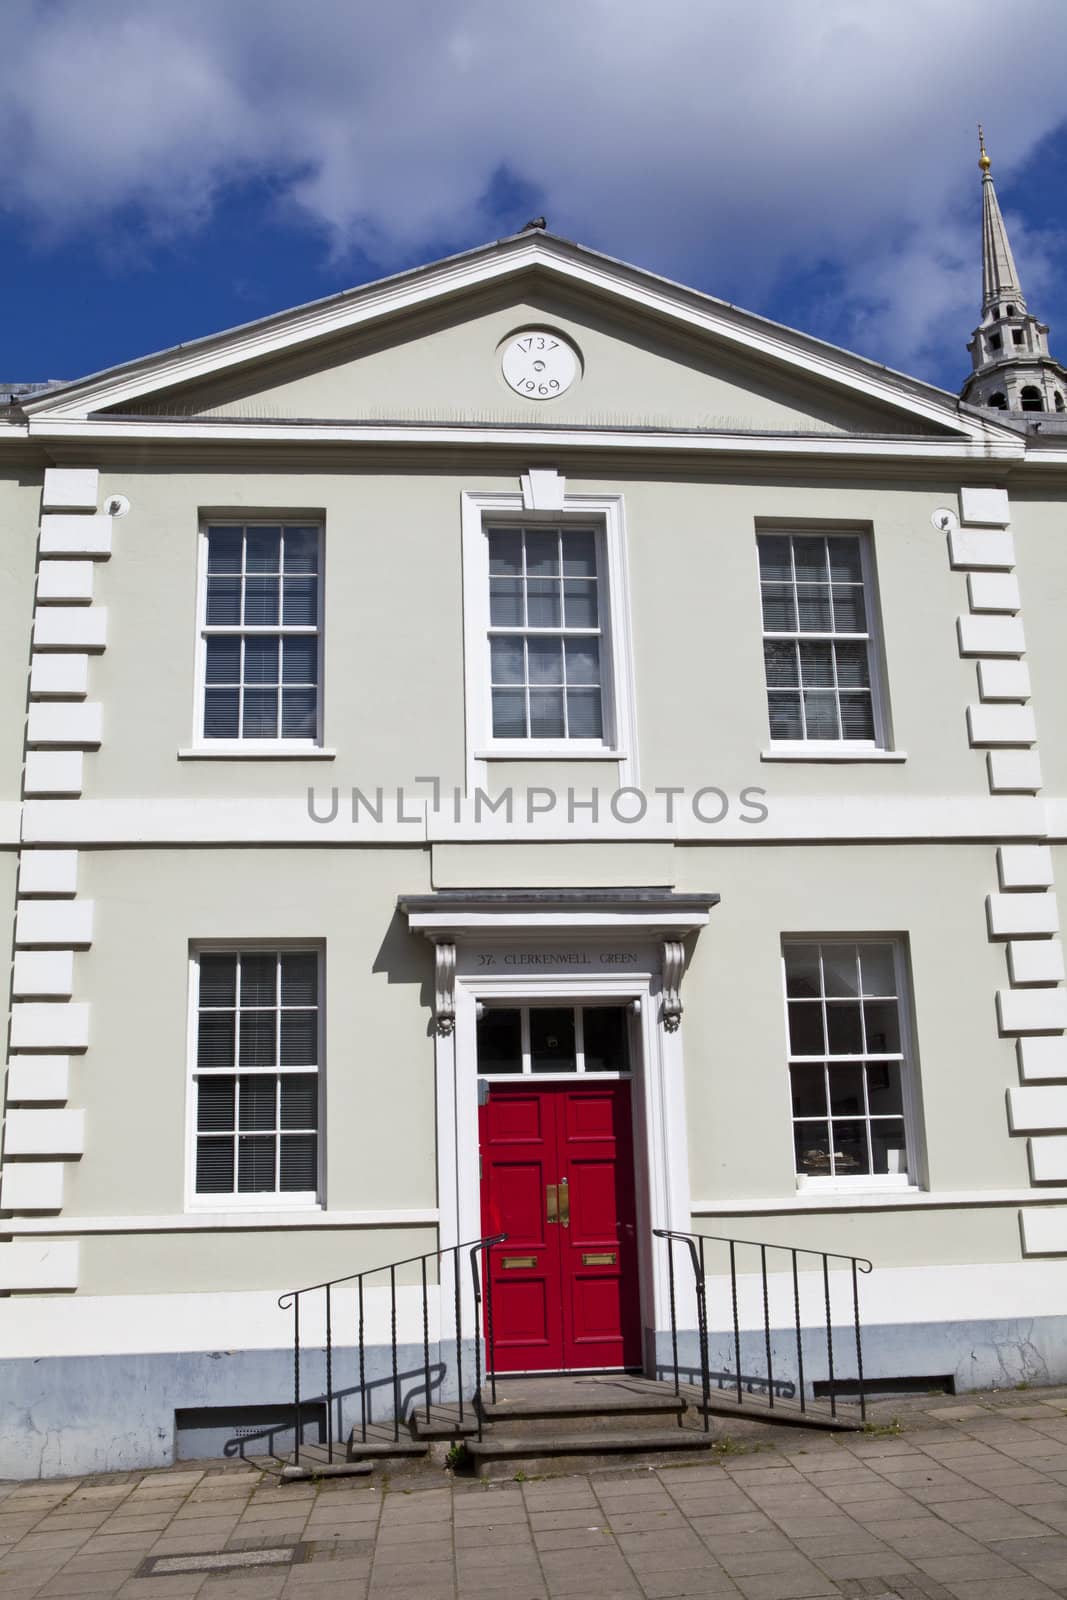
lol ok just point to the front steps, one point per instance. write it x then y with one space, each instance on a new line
535 1423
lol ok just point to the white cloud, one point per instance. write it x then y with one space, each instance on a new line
731 143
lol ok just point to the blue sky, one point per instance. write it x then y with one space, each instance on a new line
175 168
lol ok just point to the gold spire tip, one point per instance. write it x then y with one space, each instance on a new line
983 159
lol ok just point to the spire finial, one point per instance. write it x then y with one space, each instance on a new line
983 159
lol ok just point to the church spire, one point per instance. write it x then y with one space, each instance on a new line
1013 370
1000 276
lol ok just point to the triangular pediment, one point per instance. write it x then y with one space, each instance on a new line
426 348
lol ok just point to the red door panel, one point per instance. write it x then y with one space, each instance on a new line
557 1178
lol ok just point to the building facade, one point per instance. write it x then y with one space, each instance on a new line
521 743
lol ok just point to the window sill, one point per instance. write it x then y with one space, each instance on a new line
242 751
857 1186
230 1205
815 752
550 752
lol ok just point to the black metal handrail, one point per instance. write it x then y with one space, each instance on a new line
332 1394
694 1243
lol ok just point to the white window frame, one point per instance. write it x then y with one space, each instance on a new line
875 1182
881 744
605 514
262 1200
256 747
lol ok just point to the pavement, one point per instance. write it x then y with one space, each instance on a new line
938 1500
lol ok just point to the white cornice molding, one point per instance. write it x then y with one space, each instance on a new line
224 1222
879 1200
659 297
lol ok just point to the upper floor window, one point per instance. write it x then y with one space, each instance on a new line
256 1074
852 1094
260 629
818 643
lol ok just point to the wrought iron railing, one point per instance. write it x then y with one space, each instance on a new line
345 1366
774 1388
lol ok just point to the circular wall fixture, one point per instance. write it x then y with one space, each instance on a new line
539 364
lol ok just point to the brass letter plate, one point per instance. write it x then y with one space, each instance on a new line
519 1261
599 1258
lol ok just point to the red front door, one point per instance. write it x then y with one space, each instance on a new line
557 1178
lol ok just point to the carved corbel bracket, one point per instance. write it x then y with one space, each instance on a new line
673 968
444 996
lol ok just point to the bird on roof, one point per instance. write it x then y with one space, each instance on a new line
535 222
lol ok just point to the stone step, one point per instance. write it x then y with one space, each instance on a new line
783 1414
381 1446
444 1422
524 1417
318 1462
536 1452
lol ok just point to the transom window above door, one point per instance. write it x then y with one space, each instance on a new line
540 1039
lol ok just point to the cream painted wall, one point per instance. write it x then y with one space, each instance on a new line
133 1080
1040 530
20 504
394 647
888 1238
445 365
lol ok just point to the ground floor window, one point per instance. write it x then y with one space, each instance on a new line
848 1059
256 1073
553 1038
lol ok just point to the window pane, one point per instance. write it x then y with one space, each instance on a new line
850 615
218 980
223 661
258 1038
261 660
221 709
261 714
546 714
785 716
214 1105
846 1091
884 1095
215 1042
580 600
261 602
300 718
223 601
845 563
878 969
263 549
552 1040
214 1166
300 1101
853 668
805 1028
809 1091
542 555
298 1163
500 1041
882 1022
258 1102
299 1038
301 549
505 603
544 659
542 603
224 550
809 559
506 660
850 1149
817 665
857 716
813 603
300 661
779 611
300 976
259 986
774 564
579 555
583 661
841 973
844 1033
255 1164
509 714
820 714
780 664
802 970
889 1147
505 551
606 1039
812 1143
301 602
584 714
